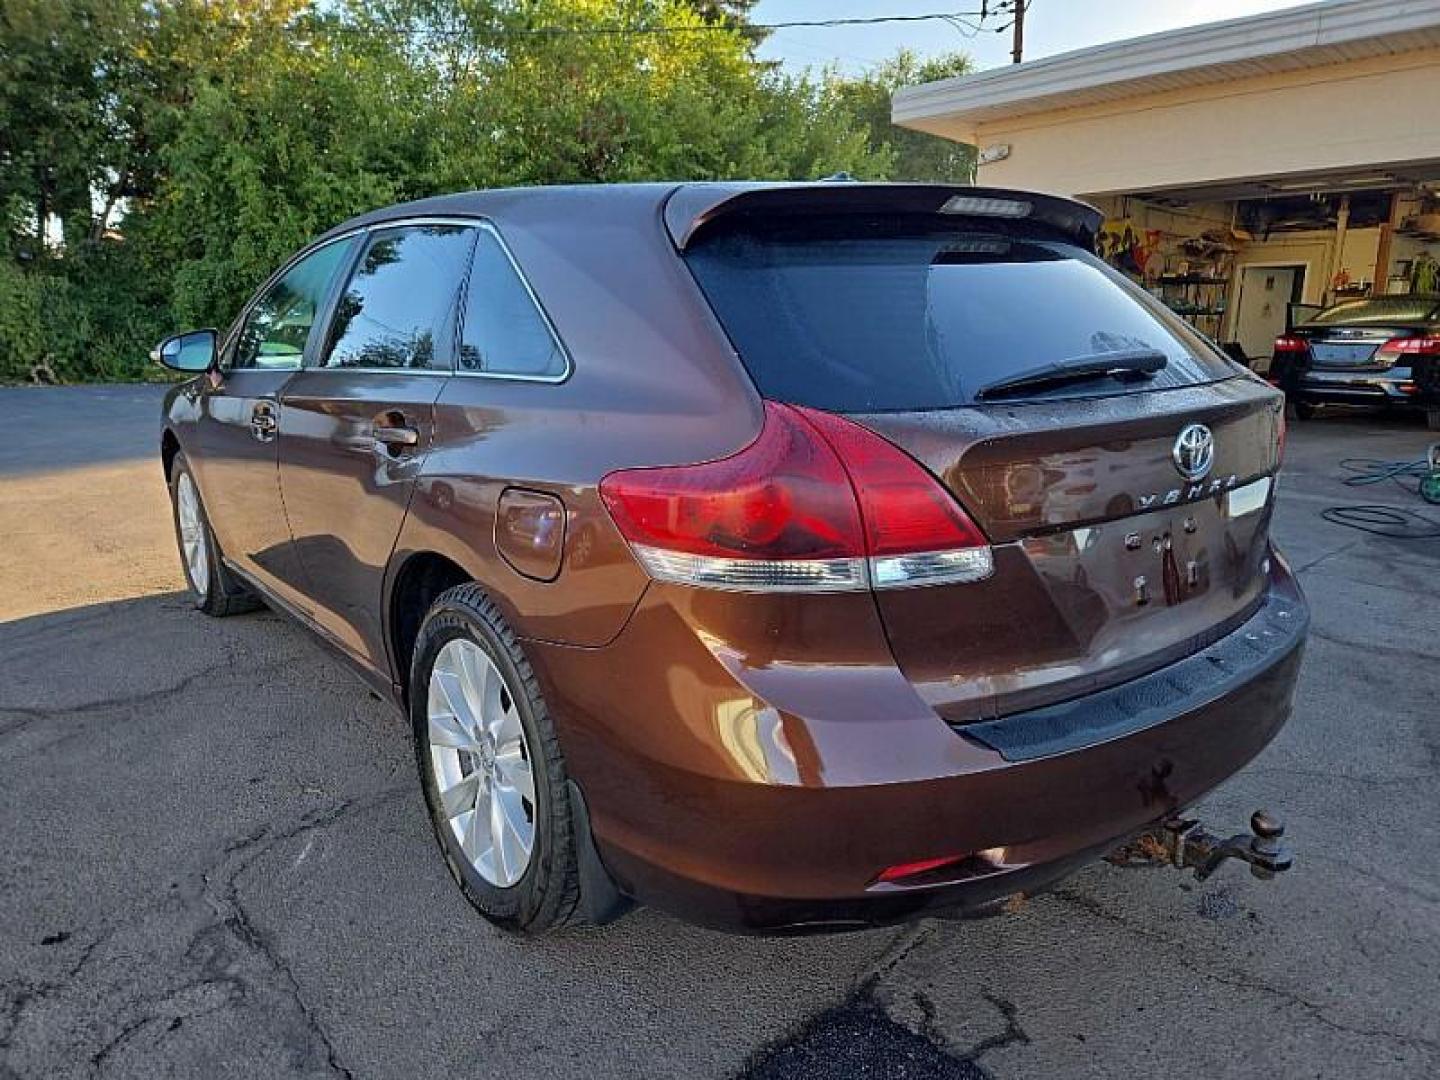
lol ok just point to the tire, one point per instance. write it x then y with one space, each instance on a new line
1304 410
215 589
545 893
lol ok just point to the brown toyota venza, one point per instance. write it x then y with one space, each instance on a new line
785 556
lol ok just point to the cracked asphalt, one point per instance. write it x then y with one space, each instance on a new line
214 860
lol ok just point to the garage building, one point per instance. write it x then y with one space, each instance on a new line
1249 169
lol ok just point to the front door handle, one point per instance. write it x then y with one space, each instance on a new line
263 423
397 437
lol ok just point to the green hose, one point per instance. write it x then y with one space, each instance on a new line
1426 473
1391 521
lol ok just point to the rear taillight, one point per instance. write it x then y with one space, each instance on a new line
815 503
915 532
1405 348
1286 349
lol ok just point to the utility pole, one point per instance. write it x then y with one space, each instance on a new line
1019 26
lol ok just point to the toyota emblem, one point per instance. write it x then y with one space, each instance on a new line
1194 451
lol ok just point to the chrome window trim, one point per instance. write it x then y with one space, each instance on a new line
444 372
489 226
485 225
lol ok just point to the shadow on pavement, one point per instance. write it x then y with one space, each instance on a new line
215 850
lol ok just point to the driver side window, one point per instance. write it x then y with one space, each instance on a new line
279 324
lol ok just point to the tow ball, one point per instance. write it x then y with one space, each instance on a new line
1185 844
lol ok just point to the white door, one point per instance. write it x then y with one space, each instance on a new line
1265 294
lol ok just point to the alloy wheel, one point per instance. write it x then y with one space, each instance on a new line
480 762
192 535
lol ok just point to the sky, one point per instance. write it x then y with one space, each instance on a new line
1051 26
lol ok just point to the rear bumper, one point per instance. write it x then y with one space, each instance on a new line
1359 387
739 838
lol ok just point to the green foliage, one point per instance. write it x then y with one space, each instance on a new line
915 154
185 147
44 325
92 318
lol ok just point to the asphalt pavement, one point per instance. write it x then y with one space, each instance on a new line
214 858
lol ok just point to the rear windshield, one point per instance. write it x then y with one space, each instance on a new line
870 315
1384 309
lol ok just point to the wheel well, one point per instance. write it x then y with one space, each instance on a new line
423 577
169 447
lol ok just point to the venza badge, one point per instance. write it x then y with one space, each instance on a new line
1194 451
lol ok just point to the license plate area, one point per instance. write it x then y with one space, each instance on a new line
1166 575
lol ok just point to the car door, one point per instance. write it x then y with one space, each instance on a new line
236 459
357 421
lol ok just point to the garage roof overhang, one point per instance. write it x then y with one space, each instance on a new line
1316 35
1341 91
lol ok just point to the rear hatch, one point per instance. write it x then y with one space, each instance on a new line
1108 561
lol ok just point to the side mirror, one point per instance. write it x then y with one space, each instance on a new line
191 352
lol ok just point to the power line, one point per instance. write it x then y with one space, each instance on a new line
701 28
960 20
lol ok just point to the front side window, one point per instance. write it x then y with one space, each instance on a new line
279 323
504 331
398 308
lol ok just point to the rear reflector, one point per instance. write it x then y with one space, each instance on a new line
816 503
901 871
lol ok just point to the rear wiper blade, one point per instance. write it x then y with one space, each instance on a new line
1120 364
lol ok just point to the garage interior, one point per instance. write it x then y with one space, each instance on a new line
1243 264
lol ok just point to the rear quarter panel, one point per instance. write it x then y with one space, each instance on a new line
653 382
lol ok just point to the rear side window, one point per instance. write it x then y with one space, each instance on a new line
398 308
504 331
869 315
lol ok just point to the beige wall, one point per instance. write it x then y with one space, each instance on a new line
1365 114
1318 250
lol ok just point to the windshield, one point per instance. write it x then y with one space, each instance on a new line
868 315
1383 309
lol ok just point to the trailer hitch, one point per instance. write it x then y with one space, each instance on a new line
1190 845
1184 843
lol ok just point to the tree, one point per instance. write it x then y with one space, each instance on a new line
916 155
294 125
221 135
58 93
546 92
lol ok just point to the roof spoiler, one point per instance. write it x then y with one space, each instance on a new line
693 209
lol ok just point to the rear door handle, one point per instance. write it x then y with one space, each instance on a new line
396 436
